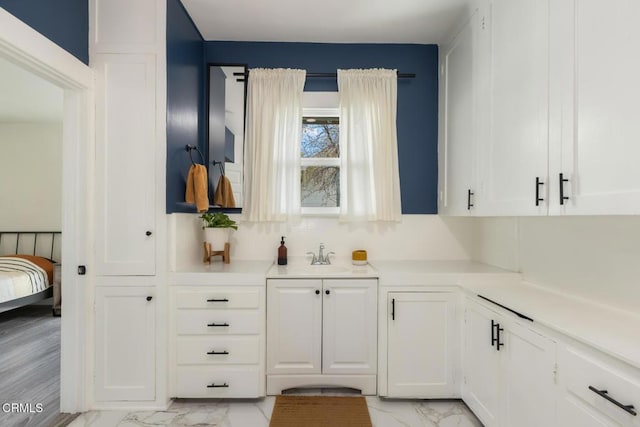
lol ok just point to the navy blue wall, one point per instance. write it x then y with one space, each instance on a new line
185 101
65 22
417 98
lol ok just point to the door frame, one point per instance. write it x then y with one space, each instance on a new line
30 50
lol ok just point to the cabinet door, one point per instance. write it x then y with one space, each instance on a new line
515 145
125 164
481 387
528 360
349 327
459 130
125 344
294 326
421 340
600 126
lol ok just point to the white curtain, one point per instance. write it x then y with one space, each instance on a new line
272 144
369 177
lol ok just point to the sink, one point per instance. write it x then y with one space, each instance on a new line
316 270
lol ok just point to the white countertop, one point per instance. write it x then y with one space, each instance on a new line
614 332
439 273
238 273
300 268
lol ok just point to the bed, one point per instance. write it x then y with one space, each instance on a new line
29 270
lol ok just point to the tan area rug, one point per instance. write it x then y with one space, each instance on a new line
320 411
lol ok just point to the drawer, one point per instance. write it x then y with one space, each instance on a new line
582 369
198 381
239 350
218 298
219 322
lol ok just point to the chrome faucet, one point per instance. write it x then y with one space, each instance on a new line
321 259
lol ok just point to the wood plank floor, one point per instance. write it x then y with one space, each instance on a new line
29 366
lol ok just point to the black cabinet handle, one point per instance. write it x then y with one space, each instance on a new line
393 309
214 385
149 298
317 291
148 233
469 204
218 352
498 343
604 394
561 181
223 325
493 332
538 184
218 300
327 292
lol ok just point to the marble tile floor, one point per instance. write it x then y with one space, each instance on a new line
256 413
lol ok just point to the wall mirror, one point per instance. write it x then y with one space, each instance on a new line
225 132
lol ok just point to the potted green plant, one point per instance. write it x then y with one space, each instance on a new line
217 227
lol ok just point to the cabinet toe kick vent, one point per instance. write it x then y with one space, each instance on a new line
520 315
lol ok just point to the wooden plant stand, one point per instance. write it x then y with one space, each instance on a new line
208 253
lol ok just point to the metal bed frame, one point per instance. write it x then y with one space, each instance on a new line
20 242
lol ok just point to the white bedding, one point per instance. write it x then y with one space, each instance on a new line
20 278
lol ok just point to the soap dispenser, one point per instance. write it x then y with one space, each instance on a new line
282 253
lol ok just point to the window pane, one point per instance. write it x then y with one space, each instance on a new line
320 186
320 137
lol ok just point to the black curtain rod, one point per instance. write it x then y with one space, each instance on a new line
334 75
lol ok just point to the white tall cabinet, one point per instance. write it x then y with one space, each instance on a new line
127 45
321 332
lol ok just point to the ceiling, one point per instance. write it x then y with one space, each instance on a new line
326 21
25 97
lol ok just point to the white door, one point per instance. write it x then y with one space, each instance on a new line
481 364
294 326
460 133
125 164
349 326
600 127
421 339
125 343
515 146
528 360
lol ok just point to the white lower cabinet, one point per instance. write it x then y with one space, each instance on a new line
125 344
321 333
596 391
421 331
219 341
509 368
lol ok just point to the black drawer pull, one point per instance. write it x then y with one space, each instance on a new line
604 394
561 181
218 352
493 333
469 204
222 325
214 385
538 184
218 300
498 343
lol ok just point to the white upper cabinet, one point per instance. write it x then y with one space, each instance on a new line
514 143
125 164
545 109
459 130
596 109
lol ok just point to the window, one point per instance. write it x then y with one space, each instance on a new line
320 162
